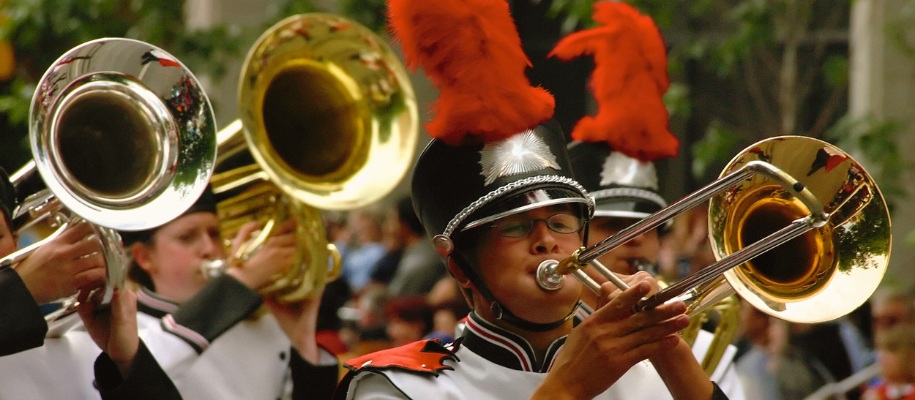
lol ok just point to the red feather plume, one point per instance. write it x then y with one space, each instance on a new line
471 51
629 80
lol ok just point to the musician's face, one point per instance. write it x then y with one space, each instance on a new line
178 248
645 246
508 265
7 239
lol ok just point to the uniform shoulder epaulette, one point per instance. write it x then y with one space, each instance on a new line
424 356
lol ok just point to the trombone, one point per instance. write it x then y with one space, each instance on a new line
123 136
799 229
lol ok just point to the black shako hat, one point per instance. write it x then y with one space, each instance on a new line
621 186
205 203
460 187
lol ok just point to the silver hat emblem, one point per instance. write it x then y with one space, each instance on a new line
519 154
626 171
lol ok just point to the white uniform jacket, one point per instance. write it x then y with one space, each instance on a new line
486 363
25 328
253 358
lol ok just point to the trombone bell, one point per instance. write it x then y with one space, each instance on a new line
828 271
797 269
803 222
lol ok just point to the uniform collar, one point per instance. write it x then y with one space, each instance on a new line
150 303
506 348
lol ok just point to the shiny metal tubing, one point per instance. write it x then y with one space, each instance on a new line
588 256
700 196
797 228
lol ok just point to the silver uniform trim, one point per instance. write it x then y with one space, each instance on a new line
629 192
495 194
623 170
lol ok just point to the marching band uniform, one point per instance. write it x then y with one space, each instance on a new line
252 359
22 326
486 363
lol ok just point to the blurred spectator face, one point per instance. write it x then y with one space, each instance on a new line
403 332
393 231
444 321
370 313
896 353
365 229
889 313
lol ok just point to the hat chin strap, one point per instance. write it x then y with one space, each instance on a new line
500 311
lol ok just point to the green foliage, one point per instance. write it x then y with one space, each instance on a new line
677 100
370 13
861 241
899 28
717 144
835 71
752 22
873 139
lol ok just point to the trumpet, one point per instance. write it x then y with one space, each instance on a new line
124 137
803 223
330 118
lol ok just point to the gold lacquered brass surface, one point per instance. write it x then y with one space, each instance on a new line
329 116
265 204
328 111
827 272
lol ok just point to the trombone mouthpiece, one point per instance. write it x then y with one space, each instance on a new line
548 278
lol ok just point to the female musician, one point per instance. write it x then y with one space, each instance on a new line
181 317
228 349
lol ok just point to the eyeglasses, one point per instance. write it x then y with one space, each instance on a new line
517 227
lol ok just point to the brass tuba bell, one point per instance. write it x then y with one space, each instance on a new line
329 115
123 136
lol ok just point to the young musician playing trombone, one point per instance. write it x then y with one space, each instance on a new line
622 199
614 157
496 192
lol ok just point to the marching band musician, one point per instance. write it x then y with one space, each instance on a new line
620 201
230 350
613 157
182 315
126 369
495 190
